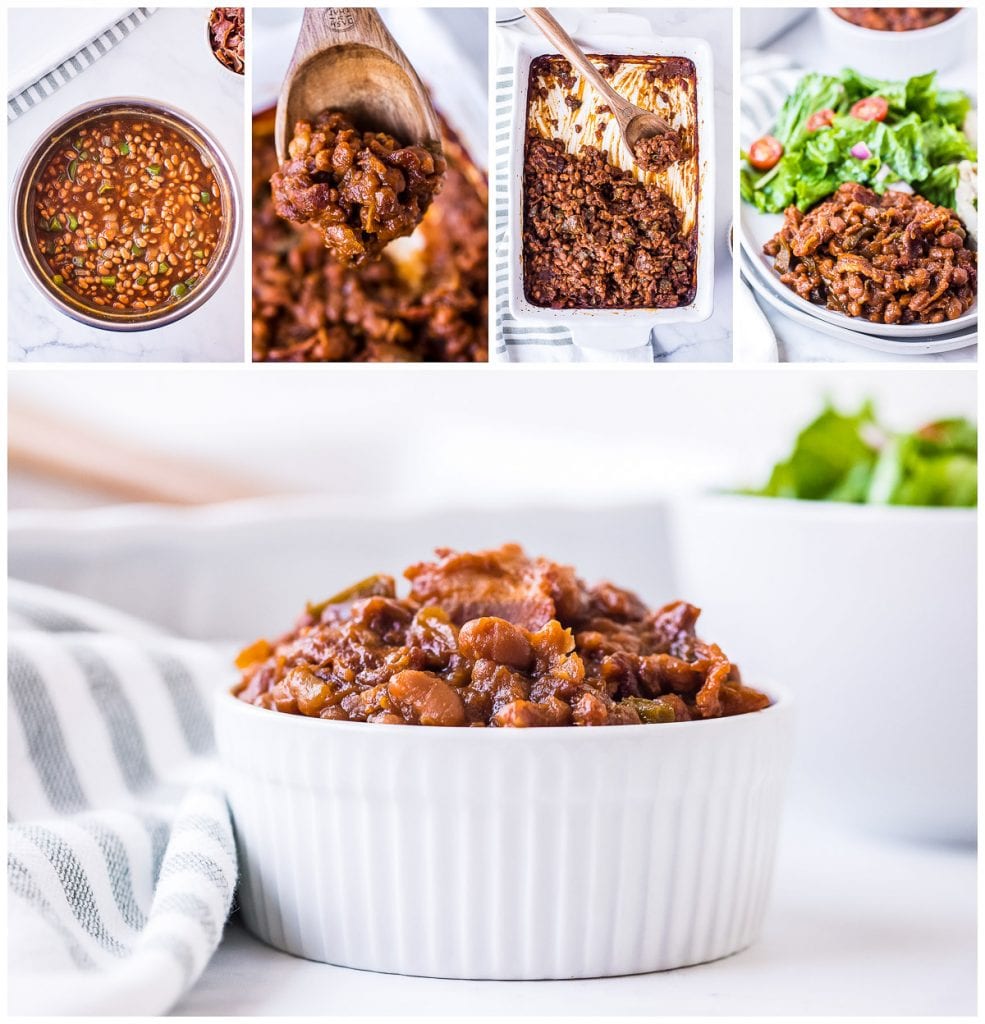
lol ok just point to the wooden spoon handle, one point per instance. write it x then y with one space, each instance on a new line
76 455
325 27
557 36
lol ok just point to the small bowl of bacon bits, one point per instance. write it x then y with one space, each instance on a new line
226 34
496 770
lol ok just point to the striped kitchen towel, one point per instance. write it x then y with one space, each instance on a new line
121 863
516 341
73 65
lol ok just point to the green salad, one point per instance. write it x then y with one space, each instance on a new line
848 127
853 458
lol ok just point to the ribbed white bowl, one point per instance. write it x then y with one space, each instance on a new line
499 853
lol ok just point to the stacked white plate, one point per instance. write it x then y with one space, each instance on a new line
756 228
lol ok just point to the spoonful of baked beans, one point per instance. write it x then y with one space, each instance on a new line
358 141
651 140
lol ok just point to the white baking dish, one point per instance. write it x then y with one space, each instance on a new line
504 853
617 328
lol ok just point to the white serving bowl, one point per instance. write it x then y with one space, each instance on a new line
504 853
896 55
871 612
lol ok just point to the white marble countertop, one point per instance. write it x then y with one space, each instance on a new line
189 77
797 342
711 340
856 927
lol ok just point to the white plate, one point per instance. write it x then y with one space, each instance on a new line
775 294
755 229
617 328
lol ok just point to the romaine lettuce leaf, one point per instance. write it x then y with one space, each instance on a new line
920 142
851 458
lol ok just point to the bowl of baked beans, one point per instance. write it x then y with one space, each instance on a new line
898 42
126 214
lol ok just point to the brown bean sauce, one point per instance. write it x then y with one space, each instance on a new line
896 19
494 638
127 214
429 302
892 259
360 189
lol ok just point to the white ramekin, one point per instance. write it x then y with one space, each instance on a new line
871 611
504 854
897 55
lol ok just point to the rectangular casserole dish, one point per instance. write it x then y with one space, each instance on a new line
616 328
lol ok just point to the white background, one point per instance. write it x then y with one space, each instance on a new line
447 436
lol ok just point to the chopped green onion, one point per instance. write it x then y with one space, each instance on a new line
141 281
154 169
91 243
73 221
199 254
54 224
108 280
104 186
206 197
124 149
178 290
58 279
73 169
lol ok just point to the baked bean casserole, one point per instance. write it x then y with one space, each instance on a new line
425 298
602 228
360 189
895 19
494 638
127 213
892 259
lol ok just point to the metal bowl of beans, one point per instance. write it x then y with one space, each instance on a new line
126 214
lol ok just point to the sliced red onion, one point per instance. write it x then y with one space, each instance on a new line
860 151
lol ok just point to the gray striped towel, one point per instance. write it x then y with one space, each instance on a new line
121 862
531 342
74 65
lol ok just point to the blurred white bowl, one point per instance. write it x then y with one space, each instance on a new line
870 613
504 853
897 55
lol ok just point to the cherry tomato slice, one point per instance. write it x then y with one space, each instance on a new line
765 153
820 119
872 108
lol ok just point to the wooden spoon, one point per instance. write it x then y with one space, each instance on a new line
635 123
346 60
